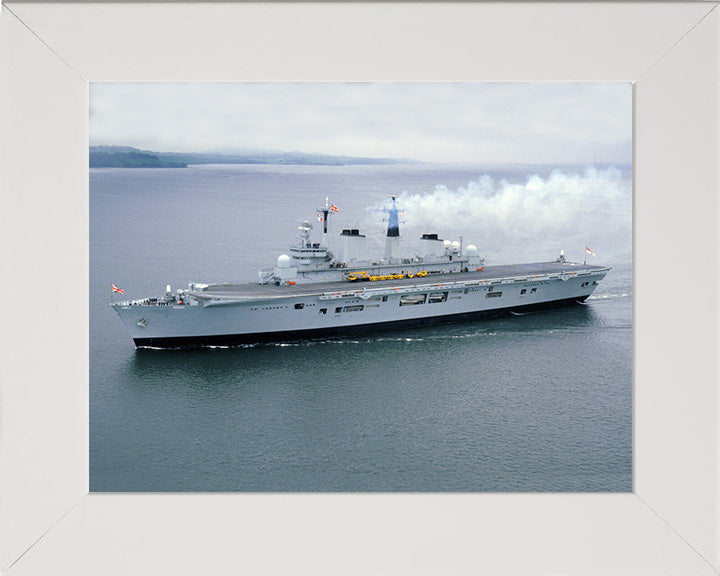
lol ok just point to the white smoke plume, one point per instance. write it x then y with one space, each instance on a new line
530 220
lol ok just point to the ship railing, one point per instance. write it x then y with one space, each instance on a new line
146 302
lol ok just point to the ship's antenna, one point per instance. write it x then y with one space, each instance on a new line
323 215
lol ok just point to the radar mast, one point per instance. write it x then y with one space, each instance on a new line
323 216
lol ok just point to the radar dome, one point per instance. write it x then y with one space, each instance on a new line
447 243
283 261
456 245
471 250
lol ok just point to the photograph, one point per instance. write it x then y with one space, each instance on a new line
374 289
360 287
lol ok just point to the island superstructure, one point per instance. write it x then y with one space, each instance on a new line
315 293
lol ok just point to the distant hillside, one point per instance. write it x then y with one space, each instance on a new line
128 157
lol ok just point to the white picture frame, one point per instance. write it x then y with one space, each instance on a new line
49 523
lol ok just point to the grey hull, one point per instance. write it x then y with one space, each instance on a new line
342 331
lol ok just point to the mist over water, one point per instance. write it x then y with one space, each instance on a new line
534 402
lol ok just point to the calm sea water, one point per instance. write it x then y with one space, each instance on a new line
538 402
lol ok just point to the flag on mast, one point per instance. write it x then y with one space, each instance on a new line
334 208
114 288
588 251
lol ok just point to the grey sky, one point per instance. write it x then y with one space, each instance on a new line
544 123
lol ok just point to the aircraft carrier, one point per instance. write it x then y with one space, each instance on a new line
313 293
